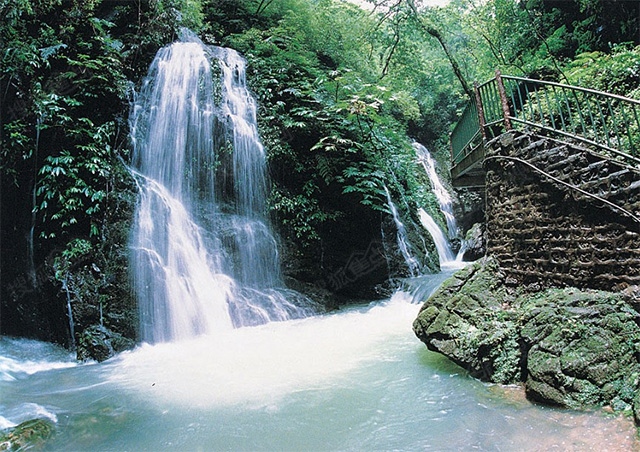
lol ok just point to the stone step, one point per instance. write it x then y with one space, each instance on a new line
596 184
536 145
573 158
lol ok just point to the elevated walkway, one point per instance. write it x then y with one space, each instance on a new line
606 123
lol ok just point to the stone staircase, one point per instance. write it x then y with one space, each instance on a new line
560 214
609 180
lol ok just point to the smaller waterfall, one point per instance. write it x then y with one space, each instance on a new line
72 329
403 244
442 195
445 253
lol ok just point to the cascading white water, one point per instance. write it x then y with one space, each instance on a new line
203 256
445 253
442 195
401 235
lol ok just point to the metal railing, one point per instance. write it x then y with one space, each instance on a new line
607 121
466 135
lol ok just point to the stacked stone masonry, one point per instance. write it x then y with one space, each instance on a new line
544 232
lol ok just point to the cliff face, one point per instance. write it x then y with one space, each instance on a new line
572 348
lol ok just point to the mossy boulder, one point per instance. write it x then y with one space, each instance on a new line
100 343
582 348
27 435
571 348
468 321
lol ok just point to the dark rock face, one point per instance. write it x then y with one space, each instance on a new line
100 343
571 348
86 276
474 243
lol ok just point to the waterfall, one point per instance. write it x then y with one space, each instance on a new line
443 246
445 253
442 195
203 257
401 235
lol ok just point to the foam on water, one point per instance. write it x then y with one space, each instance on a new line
20 357
259 365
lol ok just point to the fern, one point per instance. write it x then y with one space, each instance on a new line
324 168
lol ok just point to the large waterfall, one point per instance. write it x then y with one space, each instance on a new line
203 255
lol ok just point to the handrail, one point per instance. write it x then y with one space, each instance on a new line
608 121
466 133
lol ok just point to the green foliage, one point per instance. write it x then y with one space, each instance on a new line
75 251
62 75
368 182
74 186
617 72
339 89
537 37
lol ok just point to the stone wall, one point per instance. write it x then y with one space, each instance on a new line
545 232
556 302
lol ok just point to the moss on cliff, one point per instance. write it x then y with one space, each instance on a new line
572 348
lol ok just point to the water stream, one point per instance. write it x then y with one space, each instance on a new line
442 195
446 256
354 380
401 238
215 372
445 253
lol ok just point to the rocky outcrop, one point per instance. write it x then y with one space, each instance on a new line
30 434
99 343
572 348
469 319
474 245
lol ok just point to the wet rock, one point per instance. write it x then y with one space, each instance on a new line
466 321
28 435
100 343
474 243
571 348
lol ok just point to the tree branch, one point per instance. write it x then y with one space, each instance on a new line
436 34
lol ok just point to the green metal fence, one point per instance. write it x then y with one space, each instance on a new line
466 135
607 121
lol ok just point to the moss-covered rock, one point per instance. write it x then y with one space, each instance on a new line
468 321
100 343
571 348
582 348
28 435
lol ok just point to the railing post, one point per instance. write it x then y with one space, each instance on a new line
480 110
503 100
